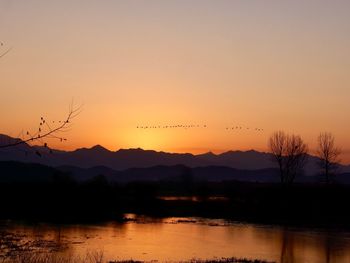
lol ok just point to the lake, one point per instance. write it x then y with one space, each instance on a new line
174 239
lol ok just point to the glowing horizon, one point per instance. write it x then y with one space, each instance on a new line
269 64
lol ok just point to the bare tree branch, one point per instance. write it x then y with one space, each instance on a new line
295 157
5 52
277 145
49 132
328 154
289 152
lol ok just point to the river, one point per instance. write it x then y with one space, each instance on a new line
175 239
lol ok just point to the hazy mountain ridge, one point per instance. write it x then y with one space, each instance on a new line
12 171
138 158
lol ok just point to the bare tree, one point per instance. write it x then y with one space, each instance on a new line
47 130
328 154
289 152
296 154
277 145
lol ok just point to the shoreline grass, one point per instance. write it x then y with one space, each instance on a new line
98 257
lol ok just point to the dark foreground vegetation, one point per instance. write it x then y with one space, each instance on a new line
99 258
65 200
318 205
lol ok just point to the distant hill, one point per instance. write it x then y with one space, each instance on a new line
17 172
138 158
174 173
11 171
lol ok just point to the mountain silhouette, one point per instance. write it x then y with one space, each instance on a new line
12 171
17 172
98 156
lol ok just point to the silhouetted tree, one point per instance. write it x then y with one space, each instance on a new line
277 146
289 152
296 155
328 154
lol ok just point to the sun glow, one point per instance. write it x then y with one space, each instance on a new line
145 139
208 64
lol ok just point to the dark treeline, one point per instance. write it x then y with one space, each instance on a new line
65 200
61 199
300 204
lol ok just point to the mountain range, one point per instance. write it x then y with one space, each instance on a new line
99 160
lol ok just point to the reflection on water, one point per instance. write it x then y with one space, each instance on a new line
185 238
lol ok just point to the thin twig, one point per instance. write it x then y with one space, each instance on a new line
73 112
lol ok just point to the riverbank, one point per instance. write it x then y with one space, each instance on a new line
97 258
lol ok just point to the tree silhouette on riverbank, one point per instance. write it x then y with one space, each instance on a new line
289 152
328 154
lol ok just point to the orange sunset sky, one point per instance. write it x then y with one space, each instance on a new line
276 65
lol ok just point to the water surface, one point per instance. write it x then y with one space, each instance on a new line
175 239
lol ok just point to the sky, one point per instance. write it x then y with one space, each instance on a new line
275 65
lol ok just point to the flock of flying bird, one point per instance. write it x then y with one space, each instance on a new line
240 128
245 128
171 126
